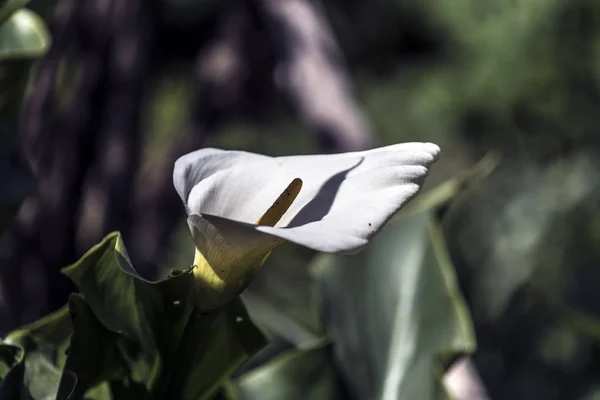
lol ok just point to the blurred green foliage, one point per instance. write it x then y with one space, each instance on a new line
395 312
23 39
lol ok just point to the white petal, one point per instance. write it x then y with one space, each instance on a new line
351 225
199 165
344 201
244 193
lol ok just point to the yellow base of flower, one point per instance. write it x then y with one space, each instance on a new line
214 291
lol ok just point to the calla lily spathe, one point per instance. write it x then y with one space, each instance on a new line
343 201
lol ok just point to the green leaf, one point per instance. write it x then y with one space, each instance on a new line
27 375
151 315
214 346
43 345
278 322
129 338
23 39
12 372
23 36
395 312
10 6
307 374
42 377
167 347
53 330
93 354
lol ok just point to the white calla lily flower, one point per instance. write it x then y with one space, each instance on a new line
242 205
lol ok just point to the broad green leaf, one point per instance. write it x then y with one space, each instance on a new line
43 344
150 315
214 346
307 374
54 330
42 377
27 375
128 338
277 322
93 354
395 312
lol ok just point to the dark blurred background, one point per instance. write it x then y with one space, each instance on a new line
129 86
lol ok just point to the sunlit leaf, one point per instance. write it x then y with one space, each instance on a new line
23 36
7 7
307 374
27 375
395 313
23 39
43 344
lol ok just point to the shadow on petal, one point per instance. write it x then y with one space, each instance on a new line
321 204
